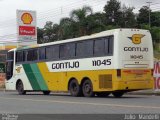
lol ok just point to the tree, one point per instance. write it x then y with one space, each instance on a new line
55 34
95 23
66 28
155 19
40 32
155 31
113 12
143 15
50 32
128 17
79 17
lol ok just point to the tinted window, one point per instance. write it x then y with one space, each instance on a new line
9 69
110 45
103 46
49 53
67 50
10 55
42 53
99 47
32 55
20 56
52 52
84 49
2 58
55 51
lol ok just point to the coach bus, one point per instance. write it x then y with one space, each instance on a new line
110 62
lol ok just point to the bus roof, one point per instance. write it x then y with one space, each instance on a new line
95 35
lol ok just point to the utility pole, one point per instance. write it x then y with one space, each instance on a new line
149 18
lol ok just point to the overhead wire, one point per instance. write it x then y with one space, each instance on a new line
50 14
64 9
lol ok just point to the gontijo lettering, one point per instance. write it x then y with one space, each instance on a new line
64 65
138 49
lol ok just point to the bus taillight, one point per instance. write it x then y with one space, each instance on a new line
118 72
152 70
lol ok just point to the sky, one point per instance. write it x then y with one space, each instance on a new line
53 10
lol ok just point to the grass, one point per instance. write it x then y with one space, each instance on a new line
2 86
157 55
157 51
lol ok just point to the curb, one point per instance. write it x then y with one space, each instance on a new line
145 92
142 92
2 89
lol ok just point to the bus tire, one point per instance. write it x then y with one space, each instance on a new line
46 92
102 94
118 94
20 88
74 88
87 88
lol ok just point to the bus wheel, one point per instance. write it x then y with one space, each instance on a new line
118 94
46 92
20 88
87 88
102 94
75 88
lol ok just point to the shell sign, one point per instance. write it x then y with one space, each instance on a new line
27 18
26 21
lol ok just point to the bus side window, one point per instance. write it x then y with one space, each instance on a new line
32 55
84 49
67 50
20 56
42 53
10 56
55 50
49 53
52 52
99 47
24 56
109 45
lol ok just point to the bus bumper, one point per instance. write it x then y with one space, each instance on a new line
133 85
9 85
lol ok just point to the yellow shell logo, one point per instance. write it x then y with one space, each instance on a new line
18 69
136 38
26 18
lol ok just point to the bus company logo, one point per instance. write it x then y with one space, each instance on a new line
18 69
136 38
27 18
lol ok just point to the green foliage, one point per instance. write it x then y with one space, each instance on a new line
95 23
79 16
40 33
143 15
83 22
67 28
109 27
128 17
2 86
155 31
113 12
155 19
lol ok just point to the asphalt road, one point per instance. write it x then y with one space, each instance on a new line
37 103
